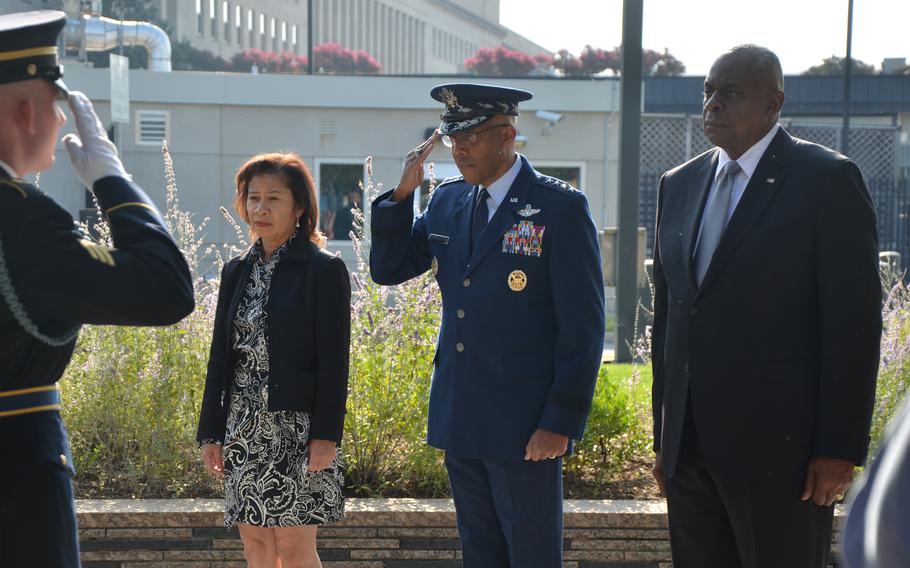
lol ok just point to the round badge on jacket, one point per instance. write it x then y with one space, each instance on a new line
517 280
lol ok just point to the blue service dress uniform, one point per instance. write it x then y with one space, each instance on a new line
519 347
54 279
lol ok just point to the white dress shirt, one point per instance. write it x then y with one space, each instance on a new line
499 188
747 162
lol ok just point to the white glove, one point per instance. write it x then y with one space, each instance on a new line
92 153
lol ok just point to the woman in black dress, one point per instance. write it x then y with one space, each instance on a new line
273 409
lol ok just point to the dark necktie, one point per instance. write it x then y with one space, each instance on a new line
481 214
715 220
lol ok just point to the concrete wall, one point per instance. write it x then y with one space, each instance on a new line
219 120
376 533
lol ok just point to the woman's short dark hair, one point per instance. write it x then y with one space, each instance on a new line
292 170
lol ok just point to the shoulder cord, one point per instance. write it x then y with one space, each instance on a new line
8 293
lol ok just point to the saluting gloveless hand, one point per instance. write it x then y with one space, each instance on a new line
412 172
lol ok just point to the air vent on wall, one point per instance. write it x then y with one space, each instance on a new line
153 127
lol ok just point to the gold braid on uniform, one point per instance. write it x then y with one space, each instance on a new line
9 295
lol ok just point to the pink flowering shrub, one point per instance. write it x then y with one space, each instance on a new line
328 58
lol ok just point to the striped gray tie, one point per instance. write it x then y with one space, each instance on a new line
715 220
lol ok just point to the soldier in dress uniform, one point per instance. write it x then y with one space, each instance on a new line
53 279
516 257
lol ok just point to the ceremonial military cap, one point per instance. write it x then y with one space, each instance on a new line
28 47
470 104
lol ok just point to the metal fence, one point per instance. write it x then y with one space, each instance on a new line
892 207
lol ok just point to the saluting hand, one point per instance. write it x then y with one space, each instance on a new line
545 445
322 452
412 172
92 153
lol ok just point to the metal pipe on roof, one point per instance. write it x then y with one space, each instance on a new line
98 33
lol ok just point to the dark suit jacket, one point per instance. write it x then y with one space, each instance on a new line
777 351
509 359
309 319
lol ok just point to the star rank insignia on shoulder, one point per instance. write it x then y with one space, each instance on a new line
98 252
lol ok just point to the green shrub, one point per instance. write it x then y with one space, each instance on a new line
619 426
894 364
393 336
131 394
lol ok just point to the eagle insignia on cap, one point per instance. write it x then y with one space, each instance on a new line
449 98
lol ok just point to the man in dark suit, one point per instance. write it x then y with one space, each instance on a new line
53 279
767 321
345 217
516 257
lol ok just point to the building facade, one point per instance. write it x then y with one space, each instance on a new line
409 37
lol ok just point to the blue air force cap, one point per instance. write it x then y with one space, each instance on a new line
28 47
470 104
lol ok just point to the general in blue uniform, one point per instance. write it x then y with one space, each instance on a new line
516 257
53 279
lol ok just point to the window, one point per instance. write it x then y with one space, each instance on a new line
284 32
199 23
250 29
339 197
294 35
571 174
261 24
272 28
212 22
153 127
226 20
238 21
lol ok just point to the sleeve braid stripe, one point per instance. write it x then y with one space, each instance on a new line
16 187
131 204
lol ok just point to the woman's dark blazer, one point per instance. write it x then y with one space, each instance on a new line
309 335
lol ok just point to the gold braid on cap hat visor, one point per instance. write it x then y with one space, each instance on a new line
30 52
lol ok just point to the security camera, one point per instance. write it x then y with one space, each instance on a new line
552 117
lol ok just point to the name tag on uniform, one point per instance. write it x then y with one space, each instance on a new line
440 239
524 238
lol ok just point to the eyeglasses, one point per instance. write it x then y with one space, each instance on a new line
466 138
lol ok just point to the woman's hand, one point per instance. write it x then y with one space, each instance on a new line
322 452
213 460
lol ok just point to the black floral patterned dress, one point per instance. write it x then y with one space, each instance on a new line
266 481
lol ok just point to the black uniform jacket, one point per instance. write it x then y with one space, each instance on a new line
57 279
309 321
777 351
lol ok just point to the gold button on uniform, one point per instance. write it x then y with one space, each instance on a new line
63 460
460 314
467 282
459 347
31 69
434 266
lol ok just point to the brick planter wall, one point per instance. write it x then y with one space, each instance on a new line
377 533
